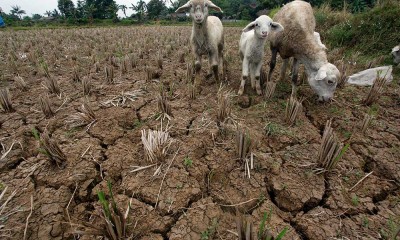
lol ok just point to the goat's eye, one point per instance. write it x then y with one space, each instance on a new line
256 24
206 5
331 82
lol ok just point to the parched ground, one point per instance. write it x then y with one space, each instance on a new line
196 198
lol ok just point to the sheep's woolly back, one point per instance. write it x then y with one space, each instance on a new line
297 38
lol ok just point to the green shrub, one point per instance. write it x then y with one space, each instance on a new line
372 32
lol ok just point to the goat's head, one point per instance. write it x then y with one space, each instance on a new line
198 9
324 81
262 26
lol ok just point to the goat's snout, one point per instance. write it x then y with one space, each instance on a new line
264 34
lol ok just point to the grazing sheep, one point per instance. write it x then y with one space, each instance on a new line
298 40
207 34
252 49
396 54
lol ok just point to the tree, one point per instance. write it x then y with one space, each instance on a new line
55 13
66 8
123 8
103 8
36 16
112 11
89 12
17 11
140 9
48 13
80 9
155 8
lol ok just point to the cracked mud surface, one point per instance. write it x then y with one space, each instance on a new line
197 200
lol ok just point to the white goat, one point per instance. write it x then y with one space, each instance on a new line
252 50
207 34
396 54
300 41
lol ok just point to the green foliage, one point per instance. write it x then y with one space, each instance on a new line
263 233
155 8
36 16
35 134
371 32
392 229
355 200
140 8
115 220
210 231
17 11
66 8
188 162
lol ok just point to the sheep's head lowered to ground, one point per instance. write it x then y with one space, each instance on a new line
198 9
396 54
262 26
324 81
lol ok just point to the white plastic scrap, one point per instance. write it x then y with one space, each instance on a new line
367 77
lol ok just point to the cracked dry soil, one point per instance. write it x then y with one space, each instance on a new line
197 200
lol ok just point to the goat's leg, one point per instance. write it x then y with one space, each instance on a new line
213 60
283 69
272 64
222 65
295 74
252 67
257 73
197 68
245 75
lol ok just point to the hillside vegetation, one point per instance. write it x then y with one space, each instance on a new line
372 32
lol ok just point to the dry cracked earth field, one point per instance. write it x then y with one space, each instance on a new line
203 184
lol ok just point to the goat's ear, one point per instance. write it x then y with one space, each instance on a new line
184 8
214 7
321 75
276 27
249 27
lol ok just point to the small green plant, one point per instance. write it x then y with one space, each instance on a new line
274 129
114 222
137 123
245 229
35 133
355 200
209 233
365 222
187 161
204 235
392 229
263 233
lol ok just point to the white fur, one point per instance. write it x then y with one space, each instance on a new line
300 41
251 49
318 38
207 34
396 54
